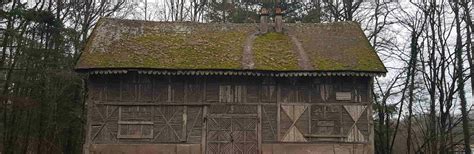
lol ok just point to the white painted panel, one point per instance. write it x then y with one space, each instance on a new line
343 96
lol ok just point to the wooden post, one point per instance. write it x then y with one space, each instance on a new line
259 128
204 130
369 113
184 132
185 112
278 111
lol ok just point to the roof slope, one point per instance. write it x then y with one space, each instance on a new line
116 43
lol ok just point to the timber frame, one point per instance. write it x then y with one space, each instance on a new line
221 113
205 88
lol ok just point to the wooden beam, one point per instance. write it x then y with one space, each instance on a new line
259 129
278 111
233 115
153 103
204 130
135 123
184 132
324 136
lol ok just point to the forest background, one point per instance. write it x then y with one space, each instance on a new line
421 105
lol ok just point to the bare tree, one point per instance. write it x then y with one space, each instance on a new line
460 75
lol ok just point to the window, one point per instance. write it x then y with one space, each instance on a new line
135 122
326 120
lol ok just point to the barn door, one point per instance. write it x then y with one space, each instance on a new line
232 134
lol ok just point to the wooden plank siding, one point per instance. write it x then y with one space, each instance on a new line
152 109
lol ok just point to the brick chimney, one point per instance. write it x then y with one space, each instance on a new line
263 20
278 20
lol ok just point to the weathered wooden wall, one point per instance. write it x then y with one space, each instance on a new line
230 112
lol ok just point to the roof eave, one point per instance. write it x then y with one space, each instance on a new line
230 72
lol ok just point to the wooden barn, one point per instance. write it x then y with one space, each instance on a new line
271 87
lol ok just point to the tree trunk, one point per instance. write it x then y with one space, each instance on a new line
460 79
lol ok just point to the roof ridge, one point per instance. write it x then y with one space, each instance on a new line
222 23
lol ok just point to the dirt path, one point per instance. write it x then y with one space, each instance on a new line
303 59
247 56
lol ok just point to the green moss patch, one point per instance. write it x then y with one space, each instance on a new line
273 51
117 43
339 47
212 50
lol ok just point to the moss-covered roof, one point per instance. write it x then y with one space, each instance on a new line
116 43
273 51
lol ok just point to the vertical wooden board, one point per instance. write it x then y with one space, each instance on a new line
194 91
94 129
363 124
177 91
355 111
279 114
194 124
212 92
296 123
371 145
205 120
315 93
259 129
347 83
184 132
97 113
238 95
113 88
168 124
294 135
106 136
252 93
363 88
129 88
145 88
327 90
145 92
304 90
355 135
101 135
302 123
288 93
160 91
176 122
268 93
269 123
112 118
227 93
285 122
96 86
346 122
